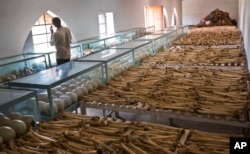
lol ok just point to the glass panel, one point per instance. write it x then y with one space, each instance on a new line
75 53
38 30
39 39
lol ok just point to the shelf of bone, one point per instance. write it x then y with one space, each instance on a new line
213 66
87 134
200 56
196 142
213 46
211 36
145 109
91 134
125 89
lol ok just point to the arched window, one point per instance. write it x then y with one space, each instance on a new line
38 39
41 32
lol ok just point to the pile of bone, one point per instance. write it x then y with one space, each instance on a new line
16 74
199 56
200 90
211 36
72 133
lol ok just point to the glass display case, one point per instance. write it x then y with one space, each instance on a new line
177 29
49 55
55 86
183 27
88 47
159 41
19 66
141 49
76 51
171 36
115 61
149 30
21 101
94 46
109 39
131 34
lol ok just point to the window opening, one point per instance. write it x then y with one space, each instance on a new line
102 23
41 33
106 23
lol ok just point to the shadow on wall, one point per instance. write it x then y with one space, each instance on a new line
165 13
174 20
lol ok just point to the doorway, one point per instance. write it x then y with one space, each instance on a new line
154 17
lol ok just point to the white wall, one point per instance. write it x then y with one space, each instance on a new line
18 16
244 25
194 10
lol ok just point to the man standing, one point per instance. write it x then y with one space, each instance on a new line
61 39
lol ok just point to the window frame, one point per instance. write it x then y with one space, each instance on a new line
43 22
104 23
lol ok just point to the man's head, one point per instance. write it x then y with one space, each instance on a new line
56 22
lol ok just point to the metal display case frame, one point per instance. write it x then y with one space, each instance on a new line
149 30
171 36
12 97
49 54
137 47
107 38
21 58
76 51
131 34
168 114
184 28
159 41
89 46
107 56
20 62
52 77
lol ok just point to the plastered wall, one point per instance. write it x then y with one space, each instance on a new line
194 10
18 16
244 25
